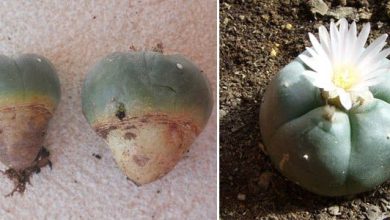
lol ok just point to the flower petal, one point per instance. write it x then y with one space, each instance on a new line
375 74
362 38
345 99
324 39
319 80
317 47
324 65
315 64
343 36
374 48
334 40
372 62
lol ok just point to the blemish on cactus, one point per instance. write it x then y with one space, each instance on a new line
130 136
141 160
283 161
329 112
120 111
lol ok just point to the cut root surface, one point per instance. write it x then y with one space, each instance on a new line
21 177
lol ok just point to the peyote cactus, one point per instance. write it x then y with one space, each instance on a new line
325 118
29 94
148 107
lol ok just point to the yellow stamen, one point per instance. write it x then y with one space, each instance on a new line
345 77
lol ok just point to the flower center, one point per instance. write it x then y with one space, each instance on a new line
345 77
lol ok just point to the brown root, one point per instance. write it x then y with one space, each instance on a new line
23 130
20 178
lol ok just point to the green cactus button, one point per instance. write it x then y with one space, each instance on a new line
29 94
325 118
148 107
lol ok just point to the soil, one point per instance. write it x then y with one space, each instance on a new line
258 38
21 178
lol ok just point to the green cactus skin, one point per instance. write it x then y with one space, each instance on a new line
325 150
29 94
148 107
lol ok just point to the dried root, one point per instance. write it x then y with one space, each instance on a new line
22 177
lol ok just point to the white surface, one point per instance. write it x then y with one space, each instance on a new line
81 186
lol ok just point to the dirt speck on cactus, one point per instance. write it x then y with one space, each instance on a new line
283 161
121 111
141 160
158 48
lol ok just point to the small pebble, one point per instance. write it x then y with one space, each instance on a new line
262 148
379 24
225 21
364 3
273 53
343 2
343 12
317 7
222 113
373 212
241 196
387 9
334 210
265 17
227 5
364 14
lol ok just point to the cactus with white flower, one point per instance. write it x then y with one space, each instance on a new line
325 118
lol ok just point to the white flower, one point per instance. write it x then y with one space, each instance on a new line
341 65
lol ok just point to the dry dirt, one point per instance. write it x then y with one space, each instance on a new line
257 39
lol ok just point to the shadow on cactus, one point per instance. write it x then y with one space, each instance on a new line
325 118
